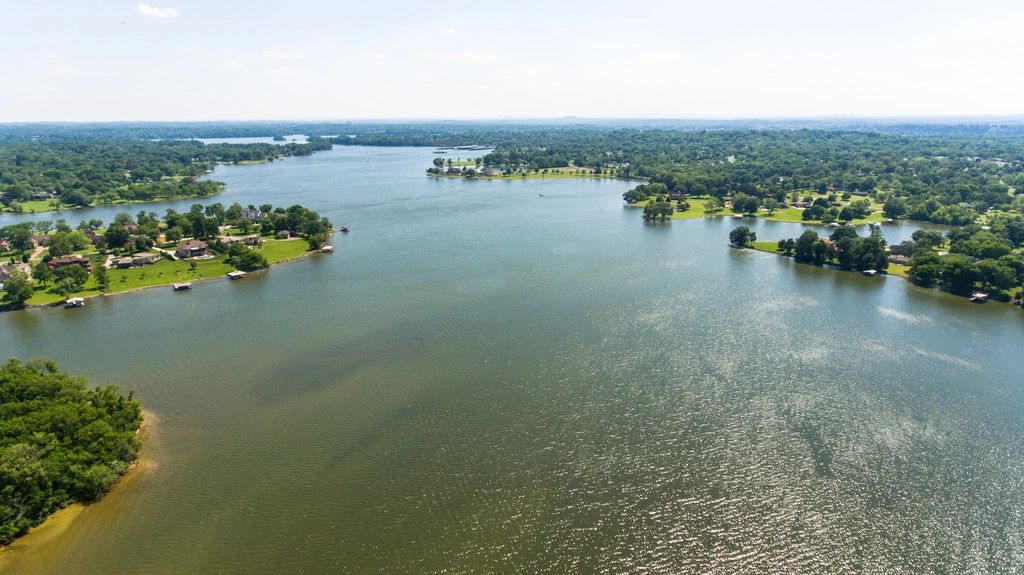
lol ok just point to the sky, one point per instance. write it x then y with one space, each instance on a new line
108 60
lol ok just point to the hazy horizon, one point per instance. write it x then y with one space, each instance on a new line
189 61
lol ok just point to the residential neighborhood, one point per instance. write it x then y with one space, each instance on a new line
49 262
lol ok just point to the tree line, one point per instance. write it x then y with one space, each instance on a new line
81 173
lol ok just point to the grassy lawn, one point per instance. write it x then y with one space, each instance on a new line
898 270
795 215
766 247
33 206
166 272
281 250
696 209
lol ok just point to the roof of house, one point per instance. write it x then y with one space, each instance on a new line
192 244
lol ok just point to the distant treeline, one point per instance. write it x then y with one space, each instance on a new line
80 173
435 133
942 177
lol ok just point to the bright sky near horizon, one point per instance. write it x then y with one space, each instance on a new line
324 59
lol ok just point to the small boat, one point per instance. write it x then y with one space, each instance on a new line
870 273
75 302
344 229
979 297
327 249
737 217
181 286
236 275
540 195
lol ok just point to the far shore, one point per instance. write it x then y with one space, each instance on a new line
7 211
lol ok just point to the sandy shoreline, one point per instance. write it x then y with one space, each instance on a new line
61 520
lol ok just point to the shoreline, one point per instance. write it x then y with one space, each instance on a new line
60 303
900 272
57 523
5 211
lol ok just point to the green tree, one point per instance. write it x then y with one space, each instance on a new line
925 268
102 278
742 236
42 273
17 289
959 273
804 248
70 279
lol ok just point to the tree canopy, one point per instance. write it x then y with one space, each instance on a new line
60 441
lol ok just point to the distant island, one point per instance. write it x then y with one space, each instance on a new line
47 262
61 442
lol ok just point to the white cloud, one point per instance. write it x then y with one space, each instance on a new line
286 74
362 57
449 31
232 66
457 57
283 54
155 11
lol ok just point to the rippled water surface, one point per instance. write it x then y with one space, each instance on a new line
482 379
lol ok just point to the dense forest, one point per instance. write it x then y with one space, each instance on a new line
60 442
79 173
941 179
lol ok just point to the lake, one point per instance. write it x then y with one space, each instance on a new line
482 379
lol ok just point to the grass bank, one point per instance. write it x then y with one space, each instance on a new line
167 272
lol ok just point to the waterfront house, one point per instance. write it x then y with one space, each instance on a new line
144 259
41 241
71 260
900 260
192 249
5 273
97 239
250 240
123 263
254 215
5 246
901 249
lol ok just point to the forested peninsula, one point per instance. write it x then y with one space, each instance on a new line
40 176
61 442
